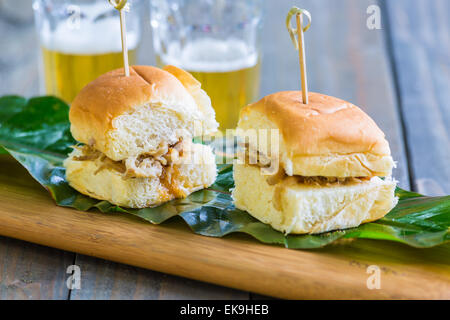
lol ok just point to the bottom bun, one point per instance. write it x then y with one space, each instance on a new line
293 207
194 171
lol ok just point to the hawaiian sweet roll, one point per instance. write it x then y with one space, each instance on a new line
328 137
136 134
152 108
333 164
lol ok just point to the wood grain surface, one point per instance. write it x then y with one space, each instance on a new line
420 40
338 272
380 70
30 271
102 279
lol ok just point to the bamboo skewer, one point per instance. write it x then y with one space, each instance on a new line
299 43
123 31
121 6
302 58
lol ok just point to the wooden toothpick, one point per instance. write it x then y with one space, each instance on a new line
121 6
302 58
300 45
123 31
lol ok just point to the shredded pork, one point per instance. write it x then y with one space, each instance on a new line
256 158
142 166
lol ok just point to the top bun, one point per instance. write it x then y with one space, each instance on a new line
127 116
327 137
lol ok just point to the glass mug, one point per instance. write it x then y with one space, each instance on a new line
80 40
217 41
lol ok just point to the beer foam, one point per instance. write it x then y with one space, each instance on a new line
211 55
86 37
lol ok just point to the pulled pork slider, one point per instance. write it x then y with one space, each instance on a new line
136 134
330 157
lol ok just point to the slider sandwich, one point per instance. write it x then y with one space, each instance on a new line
136 137
334 165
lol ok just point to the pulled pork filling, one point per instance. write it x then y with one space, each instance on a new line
317 180
256 158
142 166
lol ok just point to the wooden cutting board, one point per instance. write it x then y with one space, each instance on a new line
27 212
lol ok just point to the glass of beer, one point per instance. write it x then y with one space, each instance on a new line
80 40
218 43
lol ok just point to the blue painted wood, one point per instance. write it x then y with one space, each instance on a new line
102 279
29 271
420 41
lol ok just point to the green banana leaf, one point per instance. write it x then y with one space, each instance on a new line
36 132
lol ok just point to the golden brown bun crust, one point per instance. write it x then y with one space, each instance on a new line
325 126
187 79
113 94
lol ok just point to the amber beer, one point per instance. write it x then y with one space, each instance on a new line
229 91
67 73
75 55
227 70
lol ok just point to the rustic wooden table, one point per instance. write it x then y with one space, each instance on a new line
399 74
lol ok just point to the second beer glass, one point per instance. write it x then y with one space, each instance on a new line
216 41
